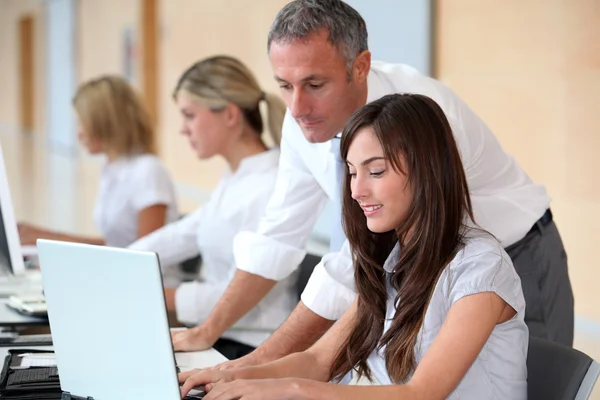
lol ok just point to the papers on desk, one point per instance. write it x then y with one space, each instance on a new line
31 305
37 360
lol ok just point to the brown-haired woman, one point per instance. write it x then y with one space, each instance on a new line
440 309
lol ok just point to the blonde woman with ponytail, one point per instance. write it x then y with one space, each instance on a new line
220 103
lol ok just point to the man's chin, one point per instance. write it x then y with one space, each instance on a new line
317 136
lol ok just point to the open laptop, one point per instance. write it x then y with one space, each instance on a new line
14 279
109 324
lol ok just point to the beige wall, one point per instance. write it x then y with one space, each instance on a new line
101 25
10 13
531 69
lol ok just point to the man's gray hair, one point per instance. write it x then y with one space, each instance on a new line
301 18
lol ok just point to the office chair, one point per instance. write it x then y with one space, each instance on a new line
306 268
557 372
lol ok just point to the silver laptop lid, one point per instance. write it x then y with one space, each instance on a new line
109 324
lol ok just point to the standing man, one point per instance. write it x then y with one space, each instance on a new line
319 56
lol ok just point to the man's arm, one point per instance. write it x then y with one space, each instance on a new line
300 331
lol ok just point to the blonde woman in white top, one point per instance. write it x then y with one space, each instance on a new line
440 308
219 100
136 194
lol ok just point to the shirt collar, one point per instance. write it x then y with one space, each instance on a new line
257 163
375 87
392 259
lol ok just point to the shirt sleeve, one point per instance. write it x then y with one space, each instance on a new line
194 301
175 242
487 271
330 290
153 185
276 249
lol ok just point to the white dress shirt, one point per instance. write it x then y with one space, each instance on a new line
127 186
500 370
237 204
505 200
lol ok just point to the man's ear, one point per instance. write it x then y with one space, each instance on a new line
361 66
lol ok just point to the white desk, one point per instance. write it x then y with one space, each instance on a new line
197 359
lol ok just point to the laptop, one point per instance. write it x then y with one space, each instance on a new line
108 318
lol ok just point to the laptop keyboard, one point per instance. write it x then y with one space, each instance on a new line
32 375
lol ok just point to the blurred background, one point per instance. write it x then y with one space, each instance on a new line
530 69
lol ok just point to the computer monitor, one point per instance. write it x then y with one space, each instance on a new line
11 259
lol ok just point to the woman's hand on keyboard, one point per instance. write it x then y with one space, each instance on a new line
197 377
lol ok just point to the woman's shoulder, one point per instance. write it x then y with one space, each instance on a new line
479 246
482 265
147 165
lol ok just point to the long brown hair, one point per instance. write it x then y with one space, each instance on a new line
414 129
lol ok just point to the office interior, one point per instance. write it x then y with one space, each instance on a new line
530 69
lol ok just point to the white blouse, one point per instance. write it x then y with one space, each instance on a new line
237 204
127 186
500 370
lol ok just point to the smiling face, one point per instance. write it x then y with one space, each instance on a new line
382 192
315 84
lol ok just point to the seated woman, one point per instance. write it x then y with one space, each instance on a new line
439 312
220 100
136 194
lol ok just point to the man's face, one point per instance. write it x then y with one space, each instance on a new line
315 84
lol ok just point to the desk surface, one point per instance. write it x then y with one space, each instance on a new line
196 359
9 317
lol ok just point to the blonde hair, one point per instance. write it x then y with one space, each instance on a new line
219 80
112 112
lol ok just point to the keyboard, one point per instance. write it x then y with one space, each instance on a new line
32 375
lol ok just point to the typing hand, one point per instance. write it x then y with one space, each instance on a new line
258 389
193 339
191 379
28 234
